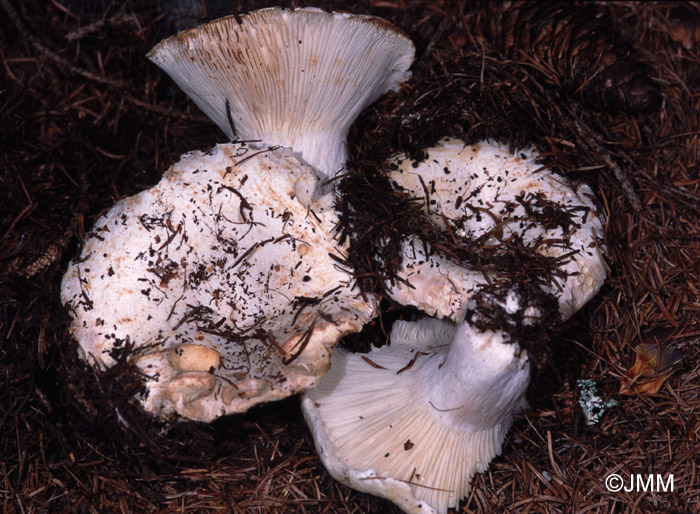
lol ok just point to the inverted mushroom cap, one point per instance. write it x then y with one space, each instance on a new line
223 281
413 421
292 78
485 194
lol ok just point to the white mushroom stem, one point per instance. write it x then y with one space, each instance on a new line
292 78
413 421
479 383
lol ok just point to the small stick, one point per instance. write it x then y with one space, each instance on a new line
592 141
14 17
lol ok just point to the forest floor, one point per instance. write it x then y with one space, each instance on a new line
86 119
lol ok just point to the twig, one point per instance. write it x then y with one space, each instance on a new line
117 19
27 35
592 142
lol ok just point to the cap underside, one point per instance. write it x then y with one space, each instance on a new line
376 430
292 78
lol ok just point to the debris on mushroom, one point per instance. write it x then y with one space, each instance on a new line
308 73
414 420
496 202
226 276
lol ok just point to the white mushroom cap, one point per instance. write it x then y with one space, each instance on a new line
292 78
413 421
222 280
483 191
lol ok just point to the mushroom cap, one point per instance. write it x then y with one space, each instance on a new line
222 280
413 421
295 78
484 193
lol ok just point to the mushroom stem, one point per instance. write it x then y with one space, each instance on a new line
479 382
413 421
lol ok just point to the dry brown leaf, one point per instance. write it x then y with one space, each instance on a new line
684 26
653 366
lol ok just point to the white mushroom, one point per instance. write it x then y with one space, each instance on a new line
226 282
484 195
413 421
326 67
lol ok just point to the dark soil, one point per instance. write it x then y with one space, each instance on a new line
608 93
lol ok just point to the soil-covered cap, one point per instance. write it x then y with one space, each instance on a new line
498 205
227 286
226 279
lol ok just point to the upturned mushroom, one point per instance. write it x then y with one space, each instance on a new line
414 420
497 202
224 277
297 78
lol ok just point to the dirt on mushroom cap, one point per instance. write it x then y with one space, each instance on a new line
220 253
497 204
235 250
